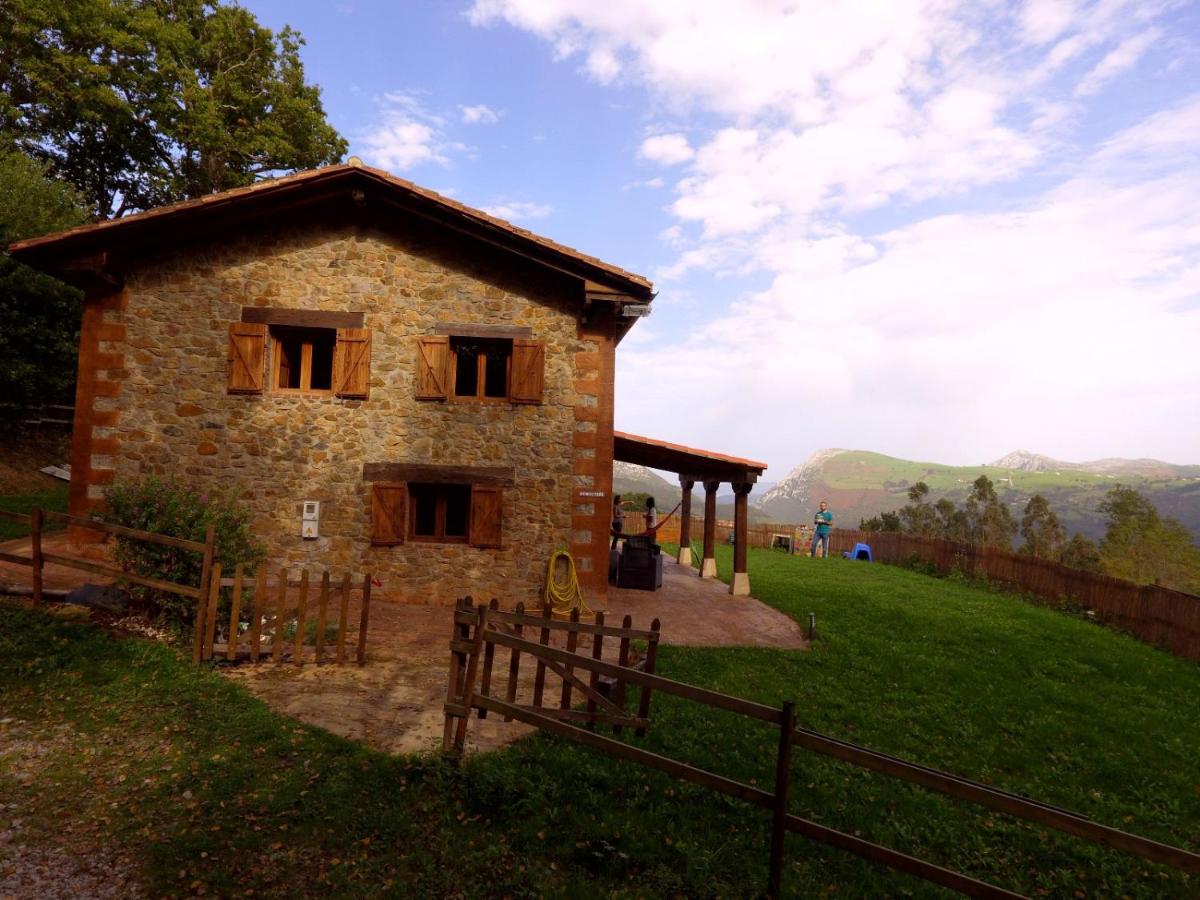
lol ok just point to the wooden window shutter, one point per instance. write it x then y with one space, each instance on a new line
528 371
486 515
389 513
247 357
352 363
433 367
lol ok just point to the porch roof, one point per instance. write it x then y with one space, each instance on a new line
690 463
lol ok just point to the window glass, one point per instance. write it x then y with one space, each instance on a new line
466 374
290 352
496 373
322 361
458 509
423 498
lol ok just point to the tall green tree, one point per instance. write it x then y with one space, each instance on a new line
919 516
1044 535
1081 552
144 102
39 315
1142 546
988 520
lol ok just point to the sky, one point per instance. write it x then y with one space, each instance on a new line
937 230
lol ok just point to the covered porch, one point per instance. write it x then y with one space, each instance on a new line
711 470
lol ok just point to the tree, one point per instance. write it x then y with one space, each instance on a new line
989 522
952 521
1142 546
39 315
887 521
1081 553
919 517
143 102
1044 534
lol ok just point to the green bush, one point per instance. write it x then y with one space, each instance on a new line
163 507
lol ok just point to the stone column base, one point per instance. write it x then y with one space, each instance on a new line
685 556
739 585
708 568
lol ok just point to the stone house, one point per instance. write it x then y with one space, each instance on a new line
431 386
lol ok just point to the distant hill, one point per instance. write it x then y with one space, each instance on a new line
860 484
631 479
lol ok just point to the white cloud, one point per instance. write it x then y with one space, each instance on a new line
970 331
478 115
516 210
1124 56
406 135
668 149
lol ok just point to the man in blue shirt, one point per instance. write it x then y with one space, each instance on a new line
822 522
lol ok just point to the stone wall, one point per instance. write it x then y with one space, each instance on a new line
156 373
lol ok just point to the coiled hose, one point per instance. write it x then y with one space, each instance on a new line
566 595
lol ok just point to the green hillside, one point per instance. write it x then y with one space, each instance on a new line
861 484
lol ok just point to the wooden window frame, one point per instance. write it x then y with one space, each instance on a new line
480 373
306 353
440 501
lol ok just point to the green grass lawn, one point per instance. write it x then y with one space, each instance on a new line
214 789
54 498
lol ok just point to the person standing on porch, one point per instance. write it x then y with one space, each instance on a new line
822 522
618 520
651 517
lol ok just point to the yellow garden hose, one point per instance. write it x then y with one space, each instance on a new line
564 596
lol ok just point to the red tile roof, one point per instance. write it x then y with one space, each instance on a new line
93 235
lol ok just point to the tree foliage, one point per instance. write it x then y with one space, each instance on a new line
39 315
1081 552
1044 535
144 102
919 516
1142 546
989 522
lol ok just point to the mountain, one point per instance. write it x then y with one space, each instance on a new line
860 484
632 479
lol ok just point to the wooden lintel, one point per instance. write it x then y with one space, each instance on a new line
301 318
483 331
724 477
498 476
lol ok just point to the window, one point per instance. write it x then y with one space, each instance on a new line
481 368
440 513
303 360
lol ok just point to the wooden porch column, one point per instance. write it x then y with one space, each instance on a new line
685 523
739 585
708 566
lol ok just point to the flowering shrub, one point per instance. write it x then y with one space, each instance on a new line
163 507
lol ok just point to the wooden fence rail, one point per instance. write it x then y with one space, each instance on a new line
479 630
1156 614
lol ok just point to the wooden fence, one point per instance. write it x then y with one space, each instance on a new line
272 614
605 693
1156 614
471 688
271 620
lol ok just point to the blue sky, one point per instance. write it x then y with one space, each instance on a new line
937 230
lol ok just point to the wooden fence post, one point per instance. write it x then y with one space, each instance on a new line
539 678
210 546
651 663
594 681
280 615
322 616
622 661
514 663
783 768
210 617
343 610
572 644
301 619
235 610
468 693
362 621
35 538
489 656
258 607
460 632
